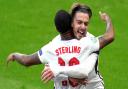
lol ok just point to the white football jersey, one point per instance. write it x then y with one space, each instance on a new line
69 53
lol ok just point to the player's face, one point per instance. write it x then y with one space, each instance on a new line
80 24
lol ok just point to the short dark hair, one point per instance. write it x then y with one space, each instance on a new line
78 7
62 21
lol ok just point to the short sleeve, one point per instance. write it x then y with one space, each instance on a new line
94 44
89 35
42 54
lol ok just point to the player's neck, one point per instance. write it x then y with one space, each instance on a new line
67 36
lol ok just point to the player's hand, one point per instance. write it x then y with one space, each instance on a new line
105 17
47 74
76 81
11 57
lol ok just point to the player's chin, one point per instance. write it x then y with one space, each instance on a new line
80 36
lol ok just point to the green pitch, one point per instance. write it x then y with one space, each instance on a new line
27 25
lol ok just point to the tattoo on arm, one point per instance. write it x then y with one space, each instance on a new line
103 42
108 36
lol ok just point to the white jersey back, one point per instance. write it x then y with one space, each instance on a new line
68 53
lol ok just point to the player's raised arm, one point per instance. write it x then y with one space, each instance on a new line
108 36
24 59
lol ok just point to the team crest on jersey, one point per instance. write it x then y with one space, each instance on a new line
40 52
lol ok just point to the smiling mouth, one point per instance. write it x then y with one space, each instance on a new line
81 32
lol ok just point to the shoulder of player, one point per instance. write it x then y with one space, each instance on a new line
88 39
89 35
56 38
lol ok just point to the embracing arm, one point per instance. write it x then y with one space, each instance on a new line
77 71
24 59
108 36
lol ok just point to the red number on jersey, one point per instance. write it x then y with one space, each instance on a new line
61 61
73 61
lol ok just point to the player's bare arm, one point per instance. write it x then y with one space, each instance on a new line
47 75
108 36
24 59
77 73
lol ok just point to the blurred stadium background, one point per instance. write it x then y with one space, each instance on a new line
27 25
